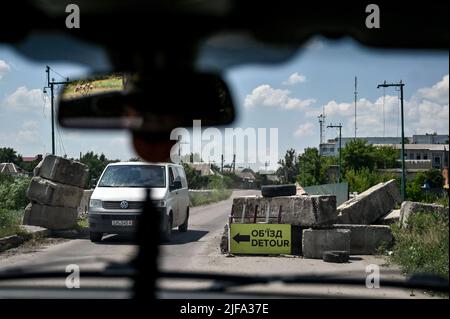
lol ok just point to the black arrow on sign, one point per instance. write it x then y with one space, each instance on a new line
238 238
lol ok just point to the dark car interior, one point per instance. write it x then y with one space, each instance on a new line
199 40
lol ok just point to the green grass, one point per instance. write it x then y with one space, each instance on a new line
423 246
83 222
217 195
10 221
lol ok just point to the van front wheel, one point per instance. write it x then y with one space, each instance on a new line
184 227
95 237
167 232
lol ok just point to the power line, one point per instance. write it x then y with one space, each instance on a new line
51 85
61 143
63 77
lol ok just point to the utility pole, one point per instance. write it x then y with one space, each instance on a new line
221 165
321 124
340 148
356 97
401 85
234 163
51 85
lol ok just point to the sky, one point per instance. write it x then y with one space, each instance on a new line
288 97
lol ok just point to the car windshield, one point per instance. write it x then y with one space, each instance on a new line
144 176
309 178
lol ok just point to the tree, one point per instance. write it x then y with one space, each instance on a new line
96 164
29 166
414 188
194 178
289 168
9 155
359 181
313 167
358 154
386 157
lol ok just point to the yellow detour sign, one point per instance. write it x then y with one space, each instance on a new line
260 238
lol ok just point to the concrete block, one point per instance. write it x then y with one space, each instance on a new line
299 210
316 241
409 208
84 202
224 240
392 217
369 206
10 242
35 232
51 217
367 239
62 170
46 192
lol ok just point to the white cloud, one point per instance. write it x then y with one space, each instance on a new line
4 68
30 125
20 138
267 96
306 129
438 93
295 78
426 111
24 99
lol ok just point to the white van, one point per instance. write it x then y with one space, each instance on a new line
119 198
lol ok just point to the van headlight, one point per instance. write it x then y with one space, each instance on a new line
95 203
159 203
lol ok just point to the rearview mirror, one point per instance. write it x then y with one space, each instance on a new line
158 104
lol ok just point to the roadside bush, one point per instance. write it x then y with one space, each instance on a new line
423 246
13 193
194 179
363 179
216 195
9 222
416 193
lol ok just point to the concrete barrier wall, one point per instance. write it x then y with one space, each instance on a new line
367 239
84 203
299 210
369 206
55 193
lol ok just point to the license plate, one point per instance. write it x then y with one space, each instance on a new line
122 223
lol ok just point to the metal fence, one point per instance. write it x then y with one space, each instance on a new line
339 190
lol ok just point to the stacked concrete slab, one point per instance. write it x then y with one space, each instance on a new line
316 241
354 226
55 193
299 210
367 239
410 208
369 206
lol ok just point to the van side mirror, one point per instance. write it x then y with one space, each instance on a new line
175 185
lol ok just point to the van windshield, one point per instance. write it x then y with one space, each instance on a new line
148 176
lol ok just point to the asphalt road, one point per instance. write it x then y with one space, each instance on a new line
196 250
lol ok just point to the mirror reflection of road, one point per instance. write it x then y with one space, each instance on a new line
198 250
